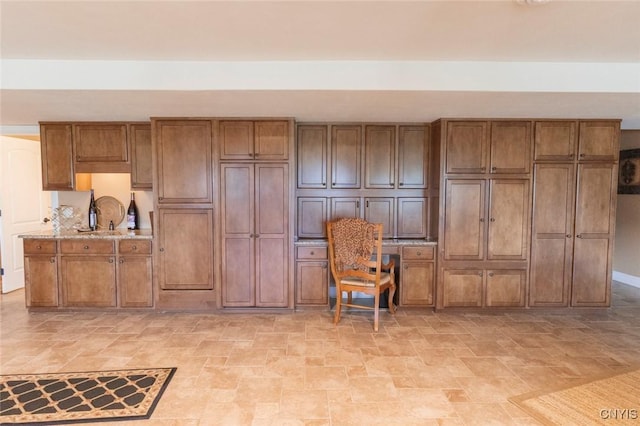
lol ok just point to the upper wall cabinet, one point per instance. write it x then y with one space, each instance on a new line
555 140
312 156
413 157
598 140
141 170
101 148
346 152
254 140
380 156
184 153
56 144
504 145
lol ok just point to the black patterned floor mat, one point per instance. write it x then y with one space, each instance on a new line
63 398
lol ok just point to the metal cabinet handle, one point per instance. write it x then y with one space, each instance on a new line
161 249
568 235
312 253
110 260
492 220
419 253
52 260
490 274
480 274
134 247
121 261
86 247
493 169
39 247
401 184
579 236
482 219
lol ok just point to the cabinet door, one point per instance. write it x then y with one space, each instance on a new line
511 146
552 234
312 217
88 281
381 210
272 235
312 283
312 156
184 155
508 235
185 249
102 148
464 220
555 140
416 283
346 151
594 229
345 207
271 140
413 217
379 163
467 144
56 145
237 211
506 288
135 282
413 157
462 287
41 281
598 140
141 170
236 140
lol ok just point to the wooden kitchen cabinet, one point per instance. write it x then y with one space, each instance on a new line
511 143
312 276
381 210
141 154
254 140
88 273
598 140
255 234
508 225
312 217
594 231
185 249
346 153
413 157
413 217
41 273
184 152
464 217
101 148
379 156
552 234
417 276
312 156
555 140
484 287
135 275
56 143
467 146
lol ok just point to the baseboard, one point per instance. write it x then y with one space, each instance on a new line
626 279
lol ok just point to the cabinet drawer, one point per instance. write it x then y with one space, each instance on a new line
417 253
312 253
134 247
86 247
39 247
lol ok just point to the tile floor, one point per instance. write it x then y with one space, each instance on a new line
422 368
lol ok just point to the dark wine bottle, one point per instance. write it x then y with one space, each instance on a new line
93 213
132 214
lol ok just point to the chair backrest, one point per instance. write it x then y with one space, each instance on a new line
355 249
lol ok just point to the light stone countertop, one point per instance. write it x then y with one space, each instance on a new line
118 234
387 242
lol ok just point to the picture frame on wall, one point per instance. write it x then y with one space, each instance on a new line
629 172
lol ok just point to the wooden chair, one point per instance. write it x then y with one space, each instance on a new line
363 270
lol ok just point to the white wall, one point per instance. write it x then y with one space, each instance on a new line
116 185
626 255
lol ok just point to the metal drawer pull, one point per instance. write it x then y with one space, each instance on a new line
86 247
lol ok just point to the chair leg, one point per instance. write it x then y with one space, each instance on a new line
336 316
392 292
376 310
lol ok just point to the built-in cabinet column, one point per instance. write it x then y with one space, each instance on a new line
573 212
255 226
184 231
484 212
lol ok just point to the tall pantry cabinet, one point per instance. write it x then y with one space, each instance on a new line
184 203
484 212
255 226
575 180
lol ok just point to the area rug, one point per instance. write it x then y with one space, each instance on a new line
610 400
64 398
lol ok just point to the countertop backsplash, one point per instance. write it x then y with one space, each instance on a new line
116 185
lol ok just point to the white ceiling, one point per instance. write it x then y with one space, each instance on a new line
319 60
